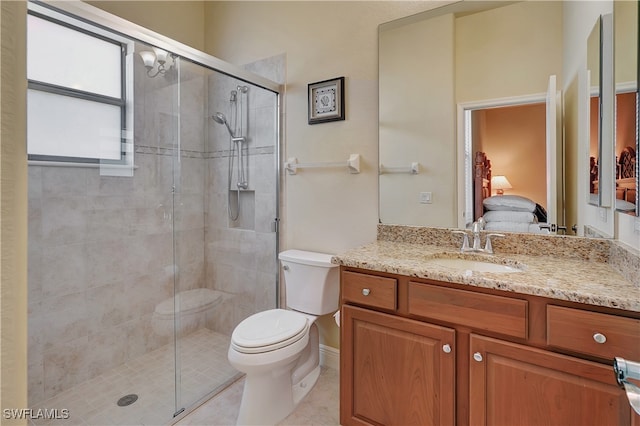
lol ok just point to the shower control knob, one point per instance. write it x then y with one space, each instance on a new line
446 349
599 338
365 291
477 356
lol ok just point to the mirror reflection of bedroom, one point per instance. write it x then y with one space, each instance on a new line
510 167
626 104
625 152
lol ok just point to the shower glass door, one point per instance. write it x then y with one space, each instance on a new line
142 263
224 210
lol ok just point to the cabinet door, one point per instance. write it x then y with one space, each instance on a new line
395 371
514 384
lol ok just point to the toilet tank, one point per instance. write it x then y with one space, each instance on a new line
311 281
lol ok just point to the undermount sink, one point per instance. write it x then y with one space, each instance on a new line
473 265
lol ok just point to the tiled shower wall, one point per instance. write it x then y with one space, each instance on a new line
101 248
241 257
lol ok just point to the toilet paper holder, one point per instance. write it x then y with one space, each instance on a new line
624 370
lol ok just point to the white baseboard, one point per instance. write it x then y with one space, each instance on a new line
329 357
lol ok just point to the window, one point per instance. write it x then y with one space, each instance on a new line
76 93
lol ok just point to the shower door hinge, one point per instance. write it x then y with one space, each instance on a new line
275 226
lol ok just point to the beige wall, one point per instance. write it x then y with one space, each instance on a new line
13 213
417 115
508 51
180 20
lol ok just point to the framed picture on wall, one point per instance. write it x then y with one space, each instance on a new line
326 101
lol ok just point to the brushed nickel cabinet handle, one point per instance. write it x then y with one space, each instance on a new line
599 338
365 291
446 349
477 356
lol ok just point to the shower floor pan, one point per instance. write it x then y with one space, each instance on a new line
151 378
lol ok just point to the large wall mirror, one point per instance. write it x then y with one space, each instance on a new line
627 116
464 79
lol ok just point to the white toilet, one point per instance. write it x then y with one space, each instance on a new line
278 349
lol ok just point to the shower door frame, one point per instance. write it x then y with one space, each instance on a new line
100 18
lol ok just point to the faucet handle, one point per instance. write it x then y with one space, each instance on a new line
465 239
488 248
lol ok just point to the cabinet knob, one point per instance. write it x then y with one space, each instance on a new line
599 338
477 356
446 349
365 291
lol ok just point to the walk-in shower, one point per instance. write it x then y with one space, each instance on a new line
137 273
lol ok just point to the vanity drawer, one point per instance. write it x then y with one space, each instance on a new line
369 290
480 311
592 333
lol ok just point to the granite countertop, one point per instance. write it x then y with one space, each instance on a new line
575 280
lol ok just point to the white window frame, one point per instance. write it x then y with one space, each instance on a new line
124 102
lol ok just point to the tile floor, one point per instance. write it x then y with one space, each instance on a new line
151 376
320 407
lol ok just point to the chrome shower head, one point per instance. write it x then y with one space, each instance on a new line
220 118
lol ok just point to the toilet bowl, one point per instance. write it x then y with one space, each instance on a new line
278 349
191 307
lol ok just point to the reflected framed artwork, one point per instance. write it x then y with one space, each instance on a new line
326 101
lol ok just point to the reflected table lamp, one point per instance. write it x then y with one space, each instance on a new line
500 183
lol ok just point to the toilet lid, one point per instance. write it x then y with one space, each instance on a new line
269 330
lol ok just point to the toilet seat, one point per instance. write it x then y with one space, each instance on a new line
268 331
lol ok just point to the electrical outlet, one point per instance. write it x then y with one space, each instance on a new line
425 198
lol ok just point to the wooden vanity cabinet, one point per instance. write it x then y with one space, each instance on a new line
399 373
430 353
513 384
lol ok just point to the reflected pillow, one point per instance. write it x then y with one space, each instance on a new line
625 206
509 216
515 203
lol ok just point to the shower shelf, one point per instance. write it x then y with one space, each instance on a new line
353 164
413 169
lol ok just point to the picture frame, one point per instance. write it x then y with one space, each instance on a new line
326 101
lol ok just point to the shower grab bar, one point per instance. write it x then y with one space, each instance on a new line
353 164
413 169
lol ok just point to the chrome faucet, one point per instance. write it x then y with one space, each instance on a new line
476 227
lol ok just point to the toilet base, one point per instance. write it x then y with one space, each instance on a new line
302 389
267 402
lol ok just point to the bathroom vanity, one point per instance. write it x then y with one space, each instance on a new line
428 342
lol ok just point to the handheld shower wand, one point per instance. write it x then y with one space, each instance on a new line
220 118
238 140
